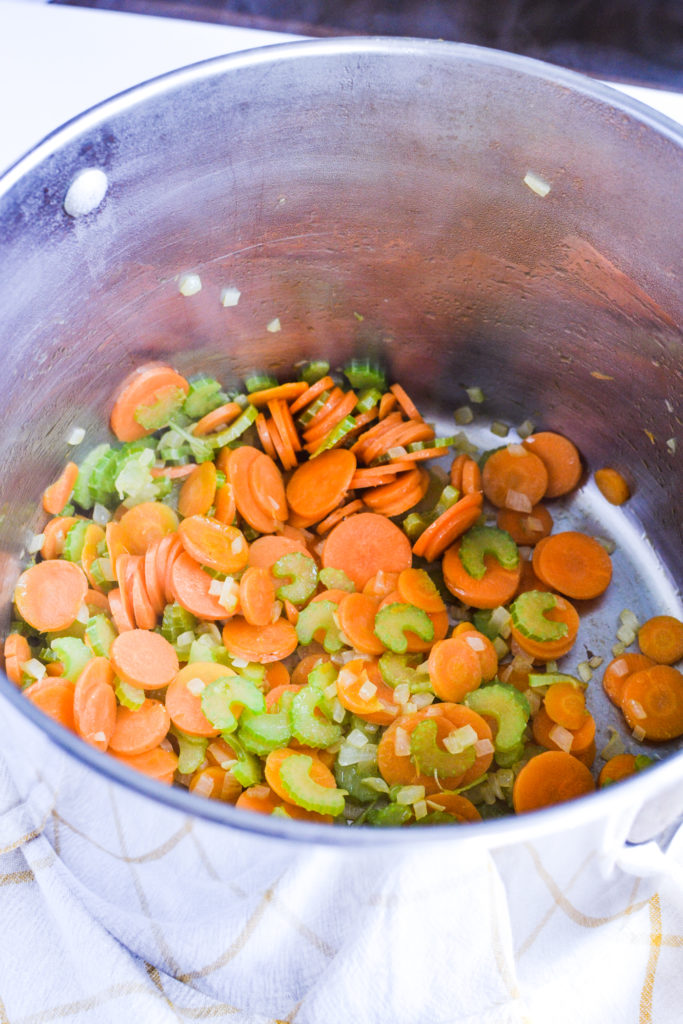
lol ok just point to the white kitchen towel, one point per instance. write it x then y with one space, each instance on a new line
531 934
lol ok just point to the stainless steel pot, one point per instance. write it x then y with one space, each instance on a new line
377 196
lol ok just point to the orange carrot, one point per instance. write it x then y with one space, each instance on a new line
183 697
549 650
55 698
262 644
550 778
257 596
50 594
482 647
216 783
277 674
417 587
403 493
144 659
619 767
574 564
57 495
318 772
526 527
288 392
238 466
454 669
214 544
145 387
309 394
338 516
354 679
582 739
225 507
612 485
94 703
566 705
199 491
265 551
54 534
652 702
267 488
618 671
661 638
514 478
216 419
455 804
137 731
158 764
17 652
356 617
496 587
406 403
450 525
560 458
301 671
316 487
146 523
364 544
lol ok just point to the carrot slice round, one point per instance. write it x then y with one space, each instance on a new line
214 544
513 472
364 544
144 659
619 767
612 485
574 564
462 809
238 466
55 698
184 703
356 617
319 485
526 527
144 524
49 595
380 707
450 525
265 551
257 596
56 496
618 671
199 491
17 652
652 701
267 488
219 417
550 778
158 764
216 783
140 730
417 587
454 669
549 650
261 644
94 704
146 386
496 586
54 534
561 459
661 638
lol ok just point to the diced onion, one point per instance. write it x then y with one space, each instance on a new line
230 296
331 691
627 618
216 587
500 647
83 614
35 543
189 284
402 693
584 671
606 543
100 737
398 452
483 747
463 415
638 733
596 661
196 686
75 436
618 649
107 569
33 668
626 634
376 783
475 642
422 700
276 612
357 738
526 428
564 739
517 501
338 712
237 545
274 325
495 787
420 809
401 743
637 709
672 445
613 747
506 777
534 699
409 795
367 691
100 514
500 620
204 785
185 639
460 739
499 428
475 394
240 662
536 184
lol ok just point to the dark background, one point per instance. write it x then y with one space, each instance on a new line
638 41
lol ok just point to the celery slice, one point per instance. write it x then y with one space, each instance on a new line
528 616
81 492
73 654
487 540
507 706
302 572
307 727
314 370
129 696
264 731
204 396
304 791
100 632
429 757
394 620
220 697
319 617
364 373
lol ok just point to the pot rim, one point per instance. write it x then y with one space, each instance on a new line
633 792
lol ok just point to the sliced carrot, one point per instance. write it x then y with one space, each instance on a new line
439 621
144 659
216 783
561 459
125 570
146 386
550 778
417 587
450 525
257 596
93 537
55 698
17 652
356 618
214 544
137 731
50 594
144 613
471 477
158 764
618 671
289 392
57 495
94 703
166 559
335 397
371 476
217 418
526 527
496 586
173 472
238 471
364 545
263 431
582 744
123 619
566 705
549 650
183 701
286 427
378 705
661 638
514 478
374 433
199 491
283 447
482 647
319 485
225 508
395 498
54 534
652 702
387 403
454 669
265 551
574 564
146 523
338 516
153 585
528 579
406 403
262 644
455 472
277 674
116 546
619 767
267 488
382 584
455 804
612 485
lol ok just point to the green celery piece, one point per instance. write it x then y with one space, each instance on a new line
306 726
307 414
414 525
191 751
265 731
129 696
398 669
336 579
74 540
438 818
643 761
319 615
236 428
81 492
175 621
368 399
73 654
156 415
100 632
508 758
428 757
528 616
248 770
481 620
221 695
392 622
487 540
364 373
303 791
447 499
335 436
323 675
314 370
350 777
302 572
259 382
507 706
204 396
539 679
97 573
201 449
434 442
390 816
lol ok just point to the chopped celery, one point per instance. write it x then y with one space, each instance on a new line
261 732
134 482
429 757
200 448
309 728
538 679
155 416
487 540
507 706
318 617
414 525
204 396
508 758
364 373
247 771
73 654
389 816
392 622
351 778
236 428
401 670
434 442
481 619
259 382
81 492
175 621
220 696
304 791
74 541
129 696
302 572
528 616
314 370
191 751
336 579
368 399
99 632
335 436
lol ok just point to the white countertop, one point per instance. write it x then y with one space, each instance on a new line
57 61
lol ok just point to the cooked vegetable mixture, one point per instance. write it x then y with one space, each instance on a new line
271 599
